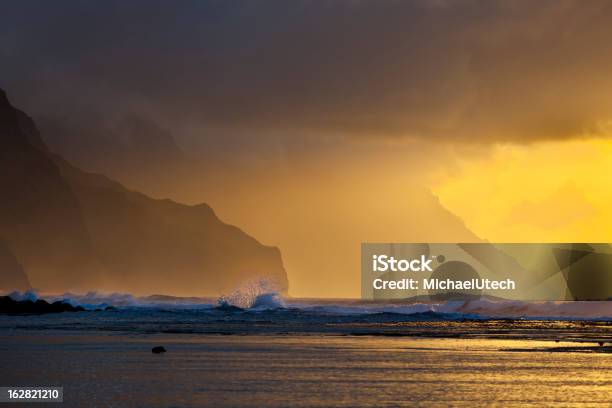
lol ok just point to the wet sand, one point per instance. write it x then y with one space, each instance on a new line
316 370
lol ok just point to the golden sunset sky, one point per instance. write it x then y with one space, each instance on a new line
315 126
542 192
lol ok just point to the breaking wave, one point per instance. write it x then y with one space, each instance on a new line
258 297
89 301
480 308
257 294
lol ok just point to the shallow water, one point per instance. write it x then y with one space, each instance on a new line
302 370
316 354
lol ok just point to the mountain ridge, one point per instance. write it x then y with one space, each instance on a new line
75 230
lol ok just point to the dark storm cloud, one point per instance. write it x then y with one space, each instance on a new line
461 70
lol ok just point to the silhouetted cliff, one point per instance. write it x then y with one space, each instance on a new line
40 217
72 230
161 244
12 274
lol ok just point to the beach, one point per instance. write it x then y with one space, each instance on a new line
320 354
303 371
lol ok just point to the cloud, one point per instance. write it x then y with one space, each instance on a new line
461 71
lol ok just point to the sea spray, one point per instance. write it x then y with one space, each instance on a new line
21 296
88 301
256 294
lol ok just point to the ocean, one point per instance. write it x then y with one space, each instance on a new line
272 352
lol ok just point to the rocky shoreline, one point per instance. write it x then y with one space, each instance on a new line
24 307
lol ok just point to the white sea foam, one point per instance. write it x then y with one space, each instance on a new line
268 301
257 296
21 296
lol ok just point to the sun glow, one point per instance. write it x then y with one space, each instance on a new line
547 192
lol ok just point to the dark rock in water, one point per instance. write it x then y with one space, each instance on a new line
158 350
10 306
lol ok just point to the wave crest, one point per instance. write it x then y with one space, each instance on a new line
255 294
